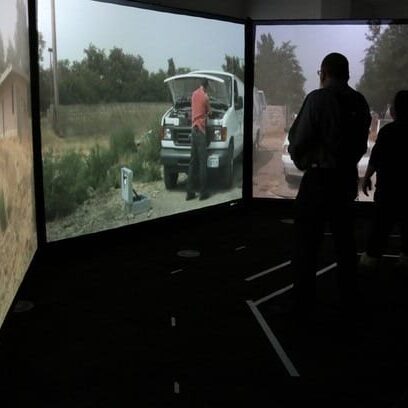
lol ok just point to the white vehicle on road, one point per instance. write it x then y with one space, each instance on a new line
293 174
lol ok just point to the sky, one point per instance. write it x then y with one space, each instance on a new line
192 42
314 42
8 18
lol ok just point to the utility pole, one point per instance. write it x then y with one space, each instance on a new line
54 65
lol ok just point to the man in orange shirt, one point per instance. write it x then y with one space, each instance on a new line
200 109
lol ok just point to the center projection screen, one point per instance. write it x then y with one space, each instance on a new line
287 58
115 92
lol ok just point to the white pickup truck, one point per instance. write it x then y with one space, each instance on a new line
225 124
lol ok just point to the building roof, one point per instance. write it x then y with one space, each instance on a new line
12 69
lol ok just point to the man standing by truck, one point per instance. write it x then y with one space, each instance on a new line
200 109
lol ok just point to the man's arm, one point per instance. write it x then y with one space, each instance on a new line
367 185
301 135
373 163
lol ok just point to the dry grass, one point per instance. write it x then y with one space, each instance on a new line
82 144
85 142
18 240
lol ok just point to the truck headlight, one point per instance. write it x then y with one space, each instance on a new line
217 135
220 135
167 134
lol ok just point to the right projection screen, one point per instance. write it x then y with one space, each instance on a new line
287 58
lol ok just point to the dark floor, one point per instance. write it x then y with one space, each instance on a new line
134 324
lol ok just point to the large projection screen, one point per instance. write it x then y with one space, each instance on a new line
18 241
124 77
287 58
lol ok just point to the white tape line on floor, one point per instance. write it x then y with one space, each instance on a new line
274 341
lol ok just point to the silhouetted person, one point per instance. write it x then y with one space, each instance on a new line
387 161
200 109
327 140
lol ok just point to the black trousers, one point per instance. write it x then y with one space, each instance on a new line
325 196
198 162
387 214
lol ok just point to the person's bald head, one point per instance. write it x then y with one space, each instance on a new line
334 66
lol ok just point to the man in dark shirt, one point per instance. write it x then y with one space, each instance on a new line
387 161
327 140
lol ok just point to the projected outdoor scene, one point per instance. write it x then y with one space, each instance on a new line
17 214
286 63
116 113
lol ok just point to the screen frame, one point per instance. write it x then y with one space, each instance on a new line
37 147
286 205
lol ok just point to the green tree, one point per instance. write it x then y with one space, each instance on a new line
233 66
278 73
102 77
385 65
183 70
171 70
127 76
41 47
158 91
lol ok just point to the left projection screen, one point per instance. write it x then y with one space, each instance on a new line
18 241
115 86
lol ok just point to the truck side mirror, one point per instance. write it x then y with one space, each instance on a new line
239 103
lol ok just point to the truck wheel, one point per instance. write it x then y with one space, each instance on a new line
170 179
228 169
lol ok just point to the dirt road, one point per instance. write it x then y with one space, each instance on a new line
107 211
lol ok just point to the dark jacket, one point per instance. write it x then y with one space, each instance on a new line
331 129
388 159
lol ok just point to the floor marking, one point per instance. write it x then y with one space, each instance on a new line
275 268
324 270
274 294
176 271
286 288
384 256
173 321
395 236
240 248
274 341
176 387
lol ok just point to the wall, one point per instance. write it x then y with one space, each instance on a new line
379 9
326 9
231 8
283 9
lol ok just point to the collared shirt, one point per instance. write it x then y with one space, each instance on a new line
331 129
200 107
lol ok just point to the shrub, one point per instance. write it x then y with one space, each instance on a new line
122 142
150 143
145 164
3 212
98 163
68 177
113 176
65 183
